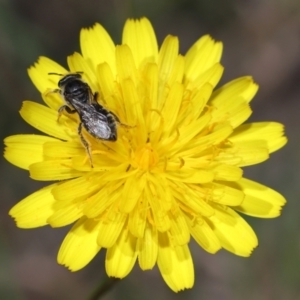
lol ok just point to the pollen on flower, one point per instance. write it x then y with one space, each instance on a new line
173 174
146 157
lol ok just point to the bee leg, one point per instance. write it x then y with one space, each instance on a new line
85 144
65 108
125 125
117 120
53 91
96 96
111 114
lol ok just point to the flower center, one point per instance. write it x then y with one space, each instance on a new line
146 157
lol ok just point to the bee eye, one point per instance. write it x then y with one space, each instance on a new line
76 87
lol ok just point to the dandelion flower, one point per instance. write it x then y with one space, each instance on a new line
174 173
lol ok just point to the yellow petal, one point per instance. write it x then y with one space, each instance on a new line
199 100
111 224
234 110
77 63
79 246
53 170
176 75
109 90
106 195
65 214
191 176
53 99
125 63
121 257
269 132
133 109
223 193
97 46
202 56
188 132
234 233
140 37
243 87
160 186
203 234
24 150
179 230
131 196
171 107
81 187
227 172
137 218
194 199
167 58
34 210
260 201
244 153
175 264
155 199
148 248
39 74
150 82
44 119
217 135
102 162
210 76
58 149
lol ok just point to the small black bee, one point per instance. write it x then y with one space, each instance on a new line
96 120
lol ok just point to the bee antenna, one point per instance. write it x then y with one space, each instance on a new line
52 73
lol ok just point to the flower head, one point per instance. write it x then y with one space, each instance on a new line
175 171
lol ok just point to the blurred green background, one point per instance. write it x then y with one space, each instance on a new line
262 39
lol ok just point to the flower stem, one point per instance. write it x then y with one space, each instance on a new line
103 287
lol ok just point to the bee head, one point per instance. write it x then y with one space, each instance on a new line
70 80
73 89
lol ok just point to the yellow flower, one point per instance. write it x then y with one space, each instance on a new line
175 171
